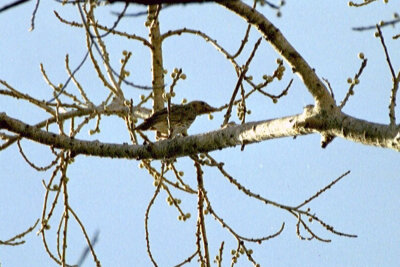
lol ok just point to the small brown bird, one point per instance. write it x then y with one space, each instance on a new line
181 117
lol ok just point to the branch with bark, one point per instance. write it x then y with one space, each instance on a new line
308 122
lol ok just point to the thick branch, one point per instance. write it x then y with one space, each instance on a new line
339 125
177 147
157 67
323 99
115 108
357 130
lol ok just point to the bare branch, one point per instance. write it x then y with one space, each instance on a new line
12 5
386 52
34 15
339 125
395 80
372 27
353 82
12 242
244 41
157 66
323 100
323 190
364 3
189 259
146 217
200 205
392 104
179 146
30 163
90 243
245 68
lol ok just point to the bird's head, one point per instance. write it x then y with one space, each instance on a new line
202 107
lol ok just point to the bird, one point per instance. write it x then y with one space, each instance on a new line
180 116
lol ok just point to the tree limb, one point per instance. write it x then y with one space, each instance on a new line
308 122
322 97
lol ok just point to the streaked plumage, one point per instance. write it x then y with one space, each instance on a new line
181 117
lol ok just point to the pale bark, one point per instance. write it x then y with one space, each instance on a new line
340 125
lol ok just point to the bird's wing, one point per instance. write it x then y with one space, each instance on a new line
153 119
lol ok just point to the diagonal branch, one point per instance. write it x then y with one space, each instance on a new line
323 100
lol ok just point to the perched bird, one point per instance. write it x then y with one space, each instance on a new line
181 117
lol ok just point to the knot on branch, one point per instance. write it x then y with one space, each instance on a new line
319 120
316 120
310 119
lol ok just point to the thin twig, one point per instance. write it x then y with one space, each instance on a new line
395 79
354 82
392 105
243 71
322 190
364 3
34 15
243 43
12 5
88 241
120 16
45 168
386 51
189 259
146 216
200 205
371 27
12 242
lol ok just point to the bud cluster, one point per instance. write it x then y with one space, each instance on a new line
241 110
184 217
236 254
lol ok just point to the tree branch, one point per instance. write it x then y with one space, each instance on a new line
177 147
308 122
322 97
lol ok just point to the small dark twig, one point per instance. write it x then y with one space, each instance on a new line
70 77
322 190
386 51
271 5
120 16
242 45
395 79
220 251
34 15
90 243
239 82
14 4
372 27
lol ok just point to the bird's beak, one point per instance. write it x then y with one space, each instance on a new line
211 109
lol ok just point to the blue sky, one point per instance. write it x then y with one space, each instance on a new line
112 195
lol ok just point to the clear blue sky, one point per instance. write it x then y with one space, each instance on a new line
112 195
